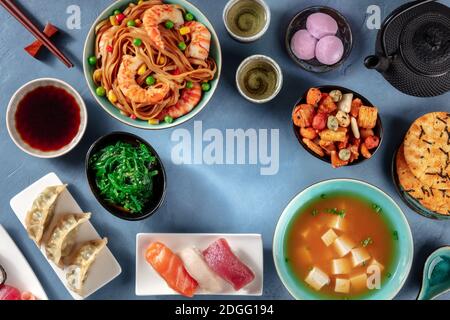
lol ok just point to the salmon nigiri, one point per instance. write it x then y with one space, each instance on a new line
171 269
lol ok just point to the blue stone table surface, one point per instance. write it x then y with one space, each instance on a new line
201 198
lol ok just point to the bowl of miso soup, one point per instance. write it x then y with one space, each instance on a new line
343 240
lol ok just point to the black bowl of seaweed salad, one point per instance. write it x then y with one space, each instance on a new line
126 176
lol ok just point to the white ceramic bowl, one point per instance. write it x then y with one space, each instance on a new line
226 10
20 94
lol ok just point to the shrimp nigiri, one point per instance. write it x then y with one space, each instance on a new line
171 269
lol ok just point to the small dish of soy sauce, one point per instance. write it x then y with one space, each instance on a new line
46 118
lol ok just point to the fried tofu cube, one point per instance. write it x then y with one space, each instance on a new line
374 262
342 286
313 97
356 105
314 147
334 136
329 237
327 106
337 223
359 281
341 266
308 133
343 246
317 279
365 151
327 146
336 162
367 118
304 255
303 115
360 256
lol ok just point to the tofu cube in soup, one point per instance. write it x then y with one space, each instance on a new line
329 237
374 262
343 246
359 282
337 223
317 279
342 285
360 256
341 266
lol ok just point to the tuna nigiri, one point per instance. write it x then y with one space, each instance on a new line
9 293
222 260
171 269
197 267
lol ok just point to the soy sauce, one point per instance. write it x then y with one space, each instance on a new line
48 118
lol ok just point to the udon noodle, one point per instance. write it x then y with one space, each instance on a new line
170 65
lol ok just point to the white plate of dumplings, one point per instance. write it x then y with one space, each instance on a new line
66 238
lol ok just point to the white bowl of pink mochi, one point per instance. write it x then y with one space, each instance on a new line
319 39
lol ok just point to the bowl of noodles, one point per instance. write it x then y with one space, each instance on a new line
152 65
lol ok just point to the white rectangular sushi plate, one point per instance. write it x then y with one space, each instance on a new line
19 273
105 268
247 247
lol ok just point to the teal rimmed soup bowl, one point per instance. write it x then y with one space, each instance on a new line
403 248
89 50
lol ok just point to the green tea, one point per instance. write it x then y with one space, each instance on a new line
246 18
258 79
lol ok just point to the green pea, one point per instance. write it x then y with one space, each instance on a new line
131 23
169 24
206 86
182 46
189 16
92 60
100 91
137 42
168 119
189 85
116 12
150 80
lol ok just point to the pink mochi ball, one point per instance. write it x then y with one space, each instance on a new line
320 25
329 50
303 44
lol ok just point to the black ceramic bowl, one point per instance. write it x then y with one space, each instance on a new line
344 33
378 130
410 201
159 181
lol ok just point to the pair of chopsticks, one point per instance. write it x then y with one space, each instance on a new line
26 22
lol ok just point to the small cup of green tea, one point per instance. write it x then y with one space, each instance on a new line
259 79
246 20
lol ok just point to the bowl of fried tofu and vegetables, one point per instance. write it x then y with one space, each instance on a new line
337 125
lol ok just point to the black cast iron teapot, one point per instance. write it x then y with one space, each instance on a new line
413 49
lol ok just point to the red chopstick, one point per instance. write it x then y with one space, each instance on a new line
26 22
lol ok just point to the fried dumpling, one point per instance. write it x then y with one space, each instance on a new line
82 261
41 213
61 240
